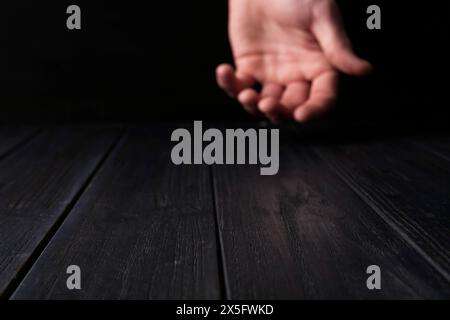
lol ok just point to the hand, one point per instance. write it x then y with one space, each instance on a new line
294 49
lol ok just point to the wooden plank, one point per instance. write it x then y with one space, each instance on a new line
305 234
406 186
144 229
439 145
37 185
12 138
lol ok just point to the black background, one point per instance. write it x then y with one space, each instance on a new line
155 61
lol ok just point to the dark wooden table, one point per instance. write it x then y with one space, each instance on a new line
109 200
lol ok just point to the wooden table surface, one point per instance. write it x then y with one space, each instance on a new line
109 199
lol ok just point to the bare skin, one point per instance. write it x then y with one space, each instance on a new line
294 49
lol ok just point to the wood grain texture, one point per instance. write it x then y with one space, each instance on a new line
37 184
12 137
305 234
407 186
144 229
438 145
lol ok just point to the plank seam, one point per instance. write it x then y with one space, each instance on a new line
223 273
390 222
40 248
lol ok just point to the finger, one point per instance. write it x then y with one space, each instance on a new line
322 97
231 82
269 104
295 94
330 32
273 90
249 99
271 108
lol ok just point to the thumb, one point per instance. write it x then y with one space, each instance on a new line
329 30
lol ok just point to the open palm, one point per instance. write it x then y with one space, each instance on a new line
294 49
